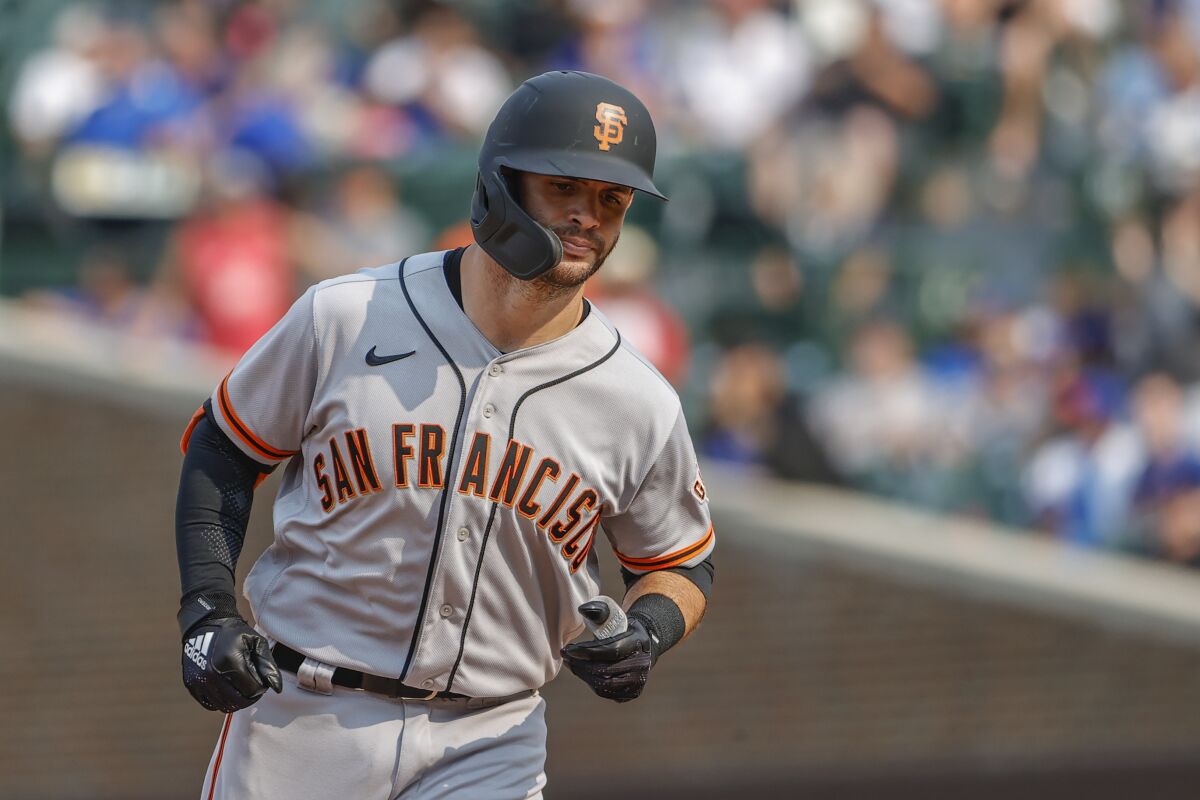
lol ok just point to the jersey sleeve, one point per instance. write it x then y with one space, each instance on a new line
667 524
262 404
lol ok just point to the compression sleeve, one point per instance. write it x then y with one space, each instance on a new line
216 490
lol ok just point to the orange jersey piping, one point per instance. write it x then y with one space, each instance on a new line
191 426
243 431
670 559
212 785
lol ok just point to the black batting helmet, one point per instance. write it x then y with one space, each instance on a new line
572 124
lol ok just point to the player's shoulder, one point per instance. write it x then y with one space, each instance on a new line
368 281
638 378
358 281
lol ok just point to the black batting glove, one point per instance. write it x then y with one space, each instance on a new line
618 667
227 665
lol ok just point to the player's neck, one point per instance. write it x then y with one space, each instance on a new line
512 313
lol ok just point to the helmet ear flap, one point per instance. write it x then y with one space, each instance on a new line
507 233
486 216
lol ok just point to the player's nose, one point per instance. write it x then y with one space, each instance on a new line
585 211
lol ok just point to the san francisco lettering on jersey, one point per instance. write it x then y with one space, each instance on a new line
569 518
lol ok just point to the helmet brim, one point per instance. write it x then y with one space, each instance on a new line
587 166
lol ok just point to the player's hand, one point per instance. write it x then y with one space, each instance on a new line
227 665
616 668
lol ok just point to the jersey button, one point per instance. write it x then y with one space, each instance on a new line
463 533
488 410
495 369
447 610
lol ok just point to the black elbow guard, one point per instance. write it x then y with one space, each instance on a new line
701 575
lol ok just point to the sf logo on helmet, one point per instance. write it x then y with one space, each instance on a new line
612 121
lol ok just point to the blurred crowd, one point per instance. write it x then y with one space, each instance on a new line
947 251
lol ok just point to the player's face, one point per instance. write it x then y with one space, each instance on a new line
585 215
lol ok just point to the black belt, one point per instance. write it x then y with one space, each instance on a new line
289 659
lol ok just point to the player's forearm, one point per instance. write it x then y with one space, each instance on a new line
676 588
216 490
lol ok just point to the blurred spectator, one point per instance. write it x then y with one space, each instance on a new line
825 182
314 74
615 39
1168 484
364 225
884 423
755 423
745 391
109 297
1172 130
736 66
1157 323
256 118
624 291
1079 481
1177 528
145 101
863 289
231 260
773 312
60 85
187 34
1006 402
863 62
1027 41
440 74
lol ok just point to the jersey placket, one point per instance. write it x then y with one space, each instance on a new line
469 516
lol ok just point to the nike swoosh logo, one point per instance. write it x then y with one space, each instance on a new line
378 361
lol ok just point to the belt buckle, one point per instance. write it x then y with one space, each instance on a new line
429 696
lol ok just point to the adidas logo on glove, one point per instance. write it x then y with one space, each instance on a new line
196 649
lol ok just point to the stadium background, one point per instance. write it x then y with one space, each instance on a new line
939 254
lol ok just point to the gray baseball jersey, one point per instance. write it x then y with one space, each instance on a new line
441 500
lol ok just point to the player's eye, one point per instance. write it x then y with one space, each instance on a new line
616 200
563 186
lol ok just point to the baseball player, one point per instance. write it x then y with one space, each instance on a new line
458 429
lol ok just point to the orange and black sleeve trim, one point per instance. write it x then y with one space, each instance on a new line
243 431
186 439
669 560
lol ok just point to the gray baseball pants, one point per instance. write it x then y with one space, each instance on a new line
352 745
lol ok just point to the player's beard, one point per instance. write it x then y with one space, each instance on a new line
568 275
